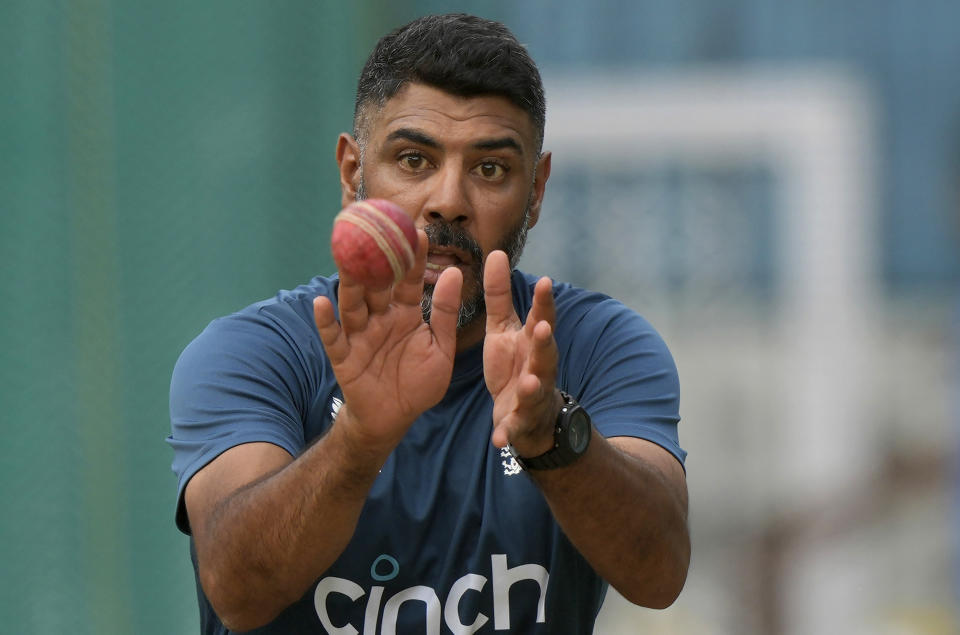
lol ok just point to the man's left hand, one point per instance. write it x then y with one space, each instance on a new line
520 362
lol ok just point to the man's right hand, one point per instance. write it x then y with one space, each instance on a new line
256 511
390 364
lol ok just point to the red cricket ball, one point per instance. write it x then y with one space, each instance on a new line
374 242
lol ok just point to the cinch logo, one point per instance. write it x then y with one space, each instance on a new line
503 579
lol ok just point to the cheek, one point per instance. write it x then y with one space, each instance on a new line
398 193
494 224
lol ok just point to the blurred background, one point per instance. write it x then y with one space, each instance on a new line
776 186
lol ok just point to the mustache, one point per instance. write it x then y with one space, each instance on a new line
444 234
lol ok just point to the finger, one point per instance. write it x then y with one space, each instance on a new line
331 335
378 300
509 430
497 293
445 309
531 390
410 289
351 304
543 308
542 361
501 436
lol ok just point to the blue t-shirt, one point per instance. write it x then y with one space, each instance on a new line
453 537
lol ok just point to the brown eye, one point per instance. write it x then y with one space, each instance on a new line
413 161
491 170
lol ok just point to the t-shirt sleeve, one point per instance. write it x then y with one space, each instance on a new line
623 374
242 380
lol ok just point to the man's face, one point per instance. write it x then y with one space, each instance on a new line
466 169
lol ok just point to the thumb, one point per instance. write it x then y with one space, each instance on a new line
445 308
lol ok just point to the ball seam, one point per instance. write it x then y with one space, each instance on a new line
371 230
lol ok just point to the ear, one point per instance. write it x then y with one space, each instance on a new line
541 174
348 158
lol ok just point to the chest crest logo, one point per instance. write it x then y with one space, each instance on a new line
510 465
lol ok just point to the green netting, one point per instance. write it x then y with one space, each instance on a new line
160 164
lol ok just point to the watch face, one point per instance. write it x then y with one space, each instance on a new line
579 430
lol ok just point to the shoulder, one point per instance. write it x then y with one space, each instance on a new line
291 308
260 332
287 311
615 363
585 313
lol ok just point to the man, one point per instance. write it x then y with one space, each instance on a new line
419 459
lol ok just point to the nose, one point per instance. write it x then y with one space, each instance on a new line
447 199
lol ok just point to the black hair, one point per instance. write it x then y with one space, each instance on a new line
461 54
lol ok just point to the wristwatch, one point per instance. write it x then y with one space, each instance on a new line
571 437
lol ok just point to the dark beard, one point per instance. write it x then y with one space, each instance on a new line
442 233
445 234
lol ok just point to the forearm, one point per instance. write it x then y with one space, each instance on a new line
627 518
261 547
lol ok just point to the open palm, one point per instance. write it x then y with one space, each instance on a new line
519 361
390 364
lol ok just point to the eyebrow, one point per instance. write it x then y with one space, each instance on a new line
497 144
416 136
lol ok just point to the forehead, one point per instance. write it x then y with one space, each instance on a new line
449 117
